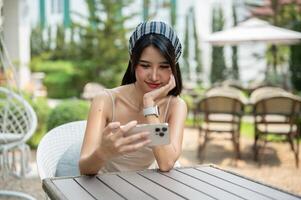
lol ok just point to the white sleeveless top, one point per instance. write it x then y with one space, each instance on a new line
134 161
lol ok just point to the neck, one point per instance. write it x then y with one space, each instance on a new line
137 96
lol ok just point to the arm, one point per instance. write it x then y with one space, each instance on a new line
103 142
91 160
167 155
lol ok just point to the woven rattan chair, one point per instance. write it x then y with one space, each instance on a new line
277 114
55 143
222 109
18 122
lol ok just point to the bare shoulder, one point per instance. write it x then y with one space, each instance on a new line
101 98
178 102
101 106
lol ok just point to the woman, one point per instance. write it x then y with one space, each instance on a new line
151 82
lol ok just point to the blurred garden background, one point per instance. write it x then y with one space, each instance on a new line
67 51
73 43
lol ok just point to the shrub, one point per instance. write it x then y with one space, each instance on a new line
61 85
67 111
63 78
42 110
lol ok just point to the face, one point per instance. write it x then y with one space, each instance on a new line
153 70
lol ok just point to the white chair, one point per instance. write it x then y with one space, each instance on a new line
18 122
55 143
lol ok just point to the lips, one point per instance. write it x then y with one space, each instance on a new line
153 85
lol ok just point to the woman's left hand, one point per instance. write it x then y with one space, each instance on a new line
150 97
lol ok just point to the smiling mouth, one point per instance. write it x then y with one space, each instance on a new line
153 85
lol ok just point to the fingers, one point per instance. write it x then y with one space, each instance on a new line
128 126
172 82
111 127
123 129
169 86
133 138
134 147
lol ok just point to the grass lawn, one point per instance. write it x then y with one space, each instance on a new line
246 130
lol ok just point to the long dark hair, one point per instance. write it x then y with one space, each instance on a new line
166 49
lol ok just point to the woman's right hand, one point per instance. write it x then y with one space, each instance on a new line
114 141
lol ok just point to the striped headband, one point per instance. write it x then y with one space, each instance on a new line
157 27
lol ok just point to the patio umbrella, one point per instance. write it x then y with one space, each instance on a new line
254 30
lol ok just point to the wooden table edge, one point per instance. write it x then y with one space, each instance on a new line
253 180
54 193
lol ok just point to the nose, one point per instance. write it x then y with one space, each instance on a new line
154 74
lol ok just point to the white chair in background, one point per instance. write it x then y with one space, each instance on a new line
18 122
55 143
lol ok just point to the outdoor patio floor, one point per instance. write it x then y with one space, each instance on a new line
277 168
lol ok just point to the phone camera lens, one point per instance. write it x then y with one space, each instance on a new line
161 134
157 129
164 129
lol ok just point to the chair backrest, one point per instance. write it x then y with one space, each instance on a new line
226 91
55 143
278 105
17 118
266 92
221 105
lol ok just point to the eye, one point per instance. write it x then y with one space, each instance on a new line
165 66
144 65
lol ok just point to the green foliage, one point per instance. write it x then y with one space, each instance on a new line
38 43
63 78
295 50
103 42
98 54
197 50
188 100
187 54
185 67
67 111
295 66
146 10
42 110
60 85
247 129
173 15
38 64
218 65
235 69
60 50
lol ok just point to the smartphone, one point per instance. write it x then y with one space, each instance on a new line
159 134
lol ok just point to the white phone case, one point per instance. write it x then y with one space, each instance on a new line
159 134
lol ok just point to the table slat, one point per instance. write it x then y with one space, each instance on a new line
247 183
202 185
227 186
149 187
123 188
71 189
97 188
175 186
